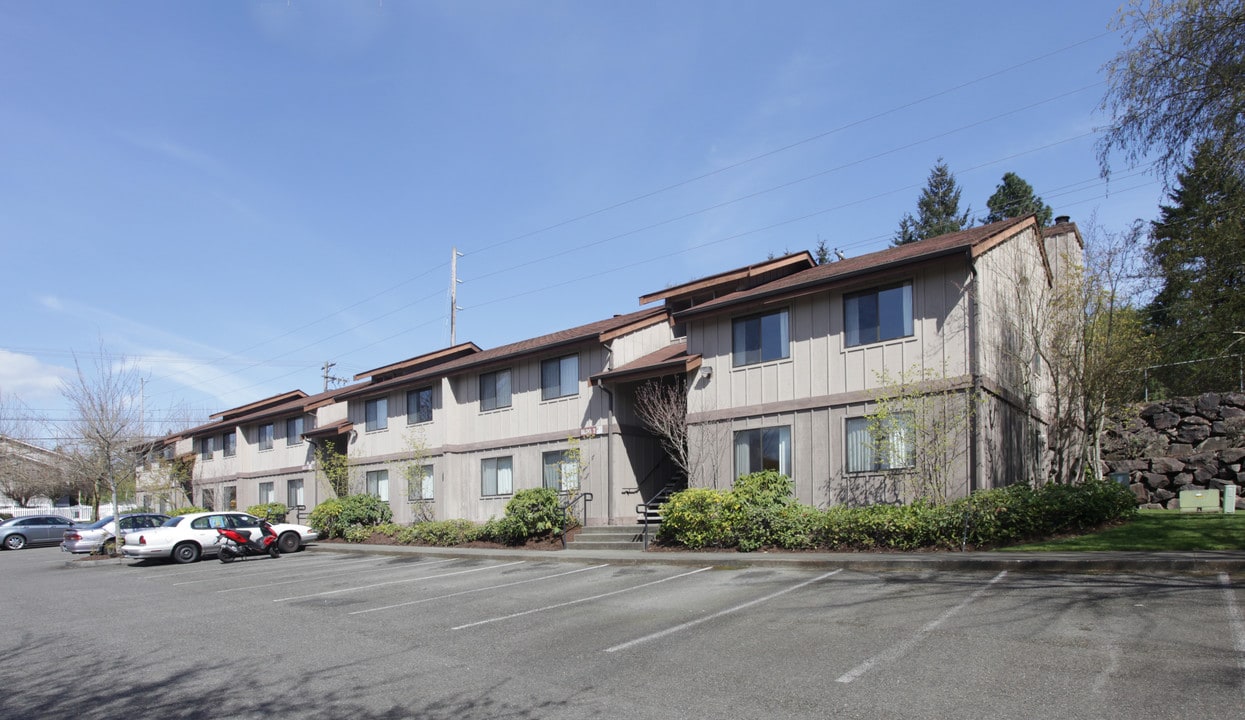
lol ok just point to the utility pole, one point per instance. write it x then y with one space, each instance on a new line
330 378
454 293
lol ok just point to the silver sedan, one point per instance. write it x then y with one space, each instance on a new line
101 534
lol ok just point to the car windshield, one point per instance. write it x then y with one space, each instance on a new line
99 523
173 521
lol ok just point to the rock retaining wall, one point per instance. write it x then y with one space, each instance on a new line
1181 444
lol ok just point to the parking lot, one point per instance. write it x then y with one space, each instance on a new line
323 634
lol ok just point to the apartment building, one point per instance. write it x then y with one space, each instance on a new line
782 363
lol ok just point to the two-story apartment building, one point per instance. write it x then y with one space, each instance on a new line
783 363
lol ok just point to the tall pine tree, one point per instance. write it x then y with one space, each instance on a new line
1197 253
1014 197
938 209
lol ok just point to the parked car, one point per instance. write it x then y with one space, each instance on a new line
16 533
186 538
99 536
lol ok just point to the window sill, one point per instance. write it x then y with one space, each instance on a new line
410 423
496 410
762 364
879 343
560 399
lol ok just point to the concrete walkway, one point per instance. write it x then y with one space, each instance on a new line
1050 562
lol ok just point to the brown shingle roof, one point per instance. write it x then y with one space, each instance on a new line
296 402
732 280
600 331
669 360
974 240
420 361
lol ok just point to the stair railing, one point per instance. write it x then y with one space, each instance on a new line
648 508
585 498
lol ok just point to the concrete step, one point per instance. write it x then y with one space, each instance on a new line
609 537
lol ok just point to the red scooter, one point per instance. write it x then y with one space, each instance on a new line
237 543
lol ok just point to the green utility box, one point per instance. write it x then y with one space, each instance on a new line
1199 501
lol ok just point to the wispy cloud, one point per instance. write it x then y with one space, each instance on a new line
175 152
34 381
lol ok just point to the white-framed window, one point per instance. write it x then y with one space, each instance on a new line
420 485
229 497
205 448
207 499
294 431
419 406
378 484
761 338
294 493
561 470
229 442
763 449
496 477
879 314
495 390
265 493
879 444
559 377
265 436
376 414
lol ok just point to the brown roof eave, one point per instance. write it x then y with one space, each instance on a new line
811 287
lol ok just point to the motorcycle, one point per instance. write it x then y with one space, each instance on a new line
238 543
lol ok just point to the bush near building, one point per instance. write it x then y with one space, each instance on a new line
757 513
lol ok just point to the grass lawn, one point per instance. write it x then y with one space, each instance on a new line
1156 530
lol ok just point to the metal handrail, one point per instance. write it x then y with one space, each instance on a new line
655 502
566 506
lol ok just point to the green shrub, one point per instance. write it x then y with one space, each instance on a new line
187 510
444 533
325 518
272 512
357 533
701 517
535 512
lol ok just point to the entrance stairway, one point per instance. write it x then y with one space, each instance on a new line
607 537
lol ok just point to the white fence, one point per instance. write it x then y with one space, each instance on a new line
77 513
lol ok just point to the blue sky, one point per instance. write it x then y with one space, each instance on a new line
233 193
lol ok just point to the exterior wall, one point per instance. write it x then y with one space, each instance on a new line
824 382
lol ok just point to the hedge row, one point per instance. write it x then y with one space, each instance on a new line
760 512
531 513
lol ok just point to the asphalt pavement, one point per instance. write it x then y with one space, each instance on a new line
1199 563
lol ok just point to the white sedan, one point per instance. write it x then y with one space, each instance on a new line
186 538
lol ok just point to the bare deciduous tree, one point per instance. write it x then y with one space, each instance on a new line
106 431
662 407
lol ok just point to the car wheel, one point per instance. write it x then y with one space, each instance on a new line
15 542
109 547
186 552
289 542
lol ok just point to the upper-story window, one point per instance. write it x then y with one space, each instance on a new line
229 442
761 338
883 313
376 414
265 436
559 377
419 406
495 390
205 448
294 431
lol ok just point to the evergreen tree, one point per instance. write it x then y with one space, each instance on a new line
1197 253
1013 198
938 209
822 254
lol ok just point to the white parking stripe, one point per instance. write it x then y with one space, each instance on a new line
576 602
483 589
720 613
398 582
902 648
303 578
216 577
1238 626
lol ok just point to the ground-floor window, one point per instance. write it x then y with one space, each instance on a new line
265 493
378 484
294 493
879 443
496 476
229 497
206 499
419 485
763 449
561 470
